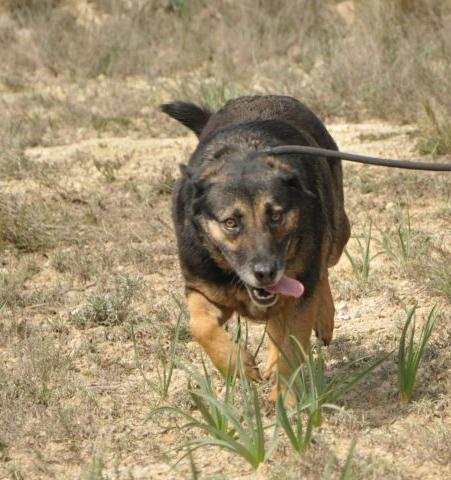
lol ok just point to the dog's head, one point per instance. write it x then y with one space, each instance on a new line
251 209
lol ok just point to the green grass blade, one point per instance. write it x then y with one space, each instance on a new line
346 473
259 431
410 357
227 411
175 410
282 418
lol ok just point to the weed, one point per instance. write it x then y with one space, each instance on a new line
242 430
346 472
94 469
101 123
108 169
12 285
312 393
361 263
110 308
418 257
14 164
301 435
438 139
31 226
404 244
181 7
405 239
165 181
75 263
166 362
410 355
239 431
437 269
213 93
195 474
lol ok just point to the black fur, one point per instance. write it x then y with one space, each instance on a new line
189 114
229 140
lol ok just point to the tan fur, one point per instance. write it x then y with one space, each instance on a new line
206 322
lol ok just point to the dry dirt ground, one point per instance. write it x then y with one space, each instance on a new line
89 254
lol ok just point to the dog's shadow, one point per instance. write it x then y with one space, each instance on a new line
376 398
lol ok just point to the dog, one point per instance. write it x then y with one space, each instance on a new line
256 232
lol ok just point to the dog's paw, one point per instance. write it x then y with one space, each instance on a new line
250 368
291 400
324 334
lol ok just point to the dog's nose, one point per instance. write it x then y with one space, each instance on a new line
265 272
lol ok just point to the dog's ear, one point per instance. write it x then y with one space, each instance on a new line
196 184
186 171
294 180
189 114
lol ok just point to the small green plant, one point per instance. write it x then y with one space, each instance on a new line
165 181
108 169
312 392
32 226
166 364
438 269
101 123
409 354
238 429
438 139
182 8
361 264
110 308
12 291
346 472
300 434
405 239
215 95
404 244
94 469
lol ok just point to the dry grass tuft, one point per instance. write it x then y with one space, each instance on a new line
32 226
383 58
112 307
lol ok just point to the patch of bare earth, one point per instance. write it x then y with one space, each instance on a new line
75 388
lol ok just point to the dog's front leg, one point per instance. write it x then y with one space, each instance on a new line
288 333
206 326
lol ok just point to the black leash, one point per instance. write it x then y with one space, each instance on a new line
384 162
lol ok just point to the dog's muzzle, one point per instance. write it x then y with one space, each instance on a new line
261 297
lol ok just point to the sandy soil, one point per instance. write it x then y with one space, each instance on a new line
102 393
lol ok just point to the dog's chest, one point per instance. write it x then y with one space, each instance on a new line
238 300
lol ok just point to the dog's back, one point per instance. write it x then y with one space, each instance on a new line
253 108
270 107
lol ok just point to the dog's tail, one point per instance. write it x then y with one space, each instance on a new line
189 114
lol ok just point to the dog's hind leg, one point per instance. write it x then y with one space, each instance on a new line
206 326
324 326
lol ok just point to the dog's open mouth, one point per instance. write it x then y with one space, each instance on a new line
262 297
266 297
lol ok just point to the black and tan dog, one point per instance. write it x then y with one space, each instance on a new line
257 232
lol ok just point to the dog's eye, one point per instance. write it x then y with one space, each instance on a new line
276 218
231 224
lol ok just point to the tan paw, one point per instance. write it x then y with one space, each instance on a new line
251 370
324 334
274 393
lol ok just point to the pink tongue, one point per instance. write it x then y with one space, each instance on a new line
287 286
